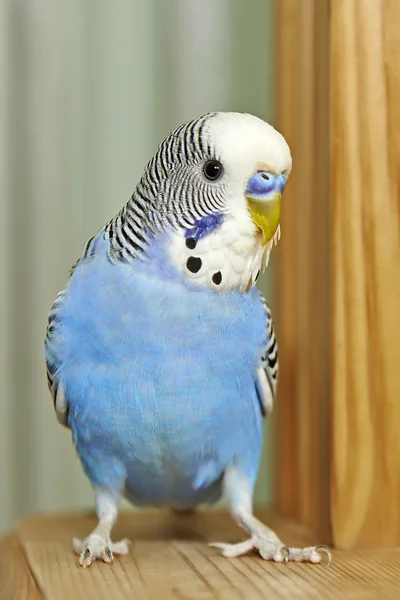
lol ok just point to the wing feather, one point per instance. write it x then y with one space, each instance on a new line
267 373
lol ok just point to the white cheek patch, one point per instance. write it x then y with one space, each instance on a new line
230 257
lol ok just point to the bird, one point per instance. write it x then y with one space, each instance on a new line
160 351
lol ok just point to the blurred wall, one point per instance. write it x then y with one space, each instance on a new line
87 90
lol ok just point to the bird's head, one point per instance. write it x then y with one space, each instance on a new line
215 184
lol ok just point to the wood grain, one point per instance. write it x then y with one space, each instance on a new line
16 581
302 430
365 216
170 559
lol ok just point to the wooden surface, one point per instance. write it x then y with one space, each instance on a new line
170 559
301 414
365 181
16 580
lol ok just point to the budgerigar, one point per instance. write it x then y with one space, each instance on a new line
160 350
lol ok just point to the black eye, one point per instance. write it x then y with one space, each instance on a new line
212 170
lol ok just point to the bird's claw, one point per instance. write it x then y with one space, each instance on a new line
96 547
107 555
286 553
327 551
85 558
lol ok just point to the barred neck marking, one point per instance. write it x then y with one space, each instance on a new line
170 193
129 231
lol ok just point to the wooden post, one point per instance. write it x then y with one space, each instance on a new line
365 266
337 429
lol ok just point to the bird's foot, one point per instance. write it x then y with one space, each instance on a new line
98 547
270 550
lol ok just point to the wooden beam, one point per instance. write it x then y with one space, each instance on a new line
337 441
365 211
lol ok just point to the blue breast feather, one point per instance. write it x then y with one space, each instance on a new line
160 378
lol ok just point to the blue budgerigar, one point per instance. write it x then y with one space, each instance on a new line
160 350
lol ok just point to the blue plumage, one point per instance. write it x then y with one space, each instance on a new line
155 377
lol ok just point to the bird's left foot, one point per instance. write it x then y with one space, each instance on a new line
97 547
269 550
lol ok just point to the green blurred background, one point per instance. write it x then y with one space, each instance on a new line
87 91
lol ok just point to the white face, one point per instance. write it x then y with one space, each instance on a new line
245 146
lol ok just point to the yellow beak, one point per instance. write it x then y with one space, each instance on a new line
266 213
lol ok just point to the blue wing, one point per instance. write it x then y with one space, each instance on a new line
53 362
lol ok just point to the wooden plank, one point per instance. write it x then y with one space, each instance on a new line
302 410
365 182
16 581
170 556
170 559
